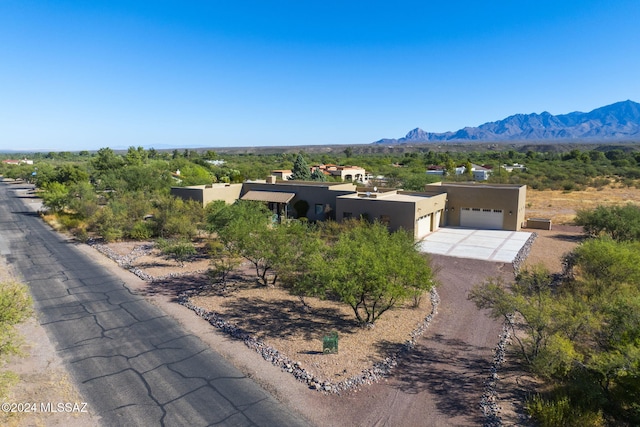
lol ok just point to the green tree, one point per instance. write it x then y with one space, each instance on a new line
244 228
135 156
107 160
317 175
55 196
372 270
619 222
300 171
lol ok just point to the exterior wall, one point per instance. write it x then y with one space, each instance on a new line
389 209
322 194
510 198
208 193
399 209
539 223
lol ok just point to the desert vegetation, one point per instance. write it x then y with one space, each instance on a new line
580 331
15 307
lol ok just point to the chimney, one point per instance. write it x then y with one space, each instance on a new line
271 179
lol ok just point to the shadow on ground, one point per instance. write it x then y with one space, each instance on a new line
451 370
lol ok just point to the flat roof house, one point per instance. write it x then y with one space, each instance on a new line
472 204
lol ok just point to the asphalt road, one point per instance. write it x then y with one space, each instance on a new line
133 364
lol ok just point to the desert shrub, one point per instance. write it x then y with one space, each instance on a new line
111 234
560 411
81 234
69 221
15 306
179 250
141 230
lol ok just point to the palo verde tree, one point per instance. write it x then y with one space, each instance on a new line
244 228
372 270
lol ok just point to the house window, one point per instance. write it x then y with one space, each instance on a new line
497 210
486 210
346 215
319 208
475 209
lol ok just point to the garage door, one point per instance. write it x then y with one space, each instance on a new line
490 219
423 226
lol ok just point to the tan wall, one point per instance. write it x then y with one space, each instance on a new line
314 194
510 198
208 193
401 214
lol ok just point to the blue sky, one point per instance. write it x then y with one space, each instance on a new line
88 74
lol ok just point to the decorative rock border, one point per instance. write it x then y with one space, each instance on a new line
371 375
523 253
489 400
125 261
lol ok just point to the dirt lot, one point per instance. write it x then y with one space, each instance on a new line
561 206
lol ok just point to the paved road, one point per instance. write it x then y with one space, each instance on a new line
135 365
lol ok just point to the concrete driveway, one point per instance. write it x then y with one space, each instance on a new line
488 245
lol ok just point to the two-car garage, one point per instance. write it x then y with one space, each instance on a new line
488 219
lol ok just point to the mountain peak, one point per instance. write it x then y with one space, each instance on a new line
614 121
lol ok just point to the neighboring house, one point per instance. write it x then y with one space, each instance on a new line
480 173
283 174
435 170
472 205
18 162
345 173
216 162
514 167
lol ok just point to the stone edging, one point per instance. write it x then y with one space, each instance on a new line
490 399
523 253
371 375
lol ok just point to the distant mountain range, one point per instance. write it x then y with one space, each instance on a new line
616 121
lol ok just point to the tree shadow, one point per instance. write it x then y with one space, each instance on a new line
452 371
26 213
173 286
573 238
284 318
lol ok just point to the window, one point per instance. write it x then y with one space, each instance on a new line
486 210
475 209
497 210
319 208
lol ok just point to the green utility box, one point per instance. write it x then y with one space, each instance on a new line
330 343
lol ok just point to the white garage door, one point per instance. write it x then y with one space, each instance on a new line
423 226
490 219
436 221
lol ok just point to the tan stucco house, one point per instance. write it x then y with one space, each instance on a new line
471 205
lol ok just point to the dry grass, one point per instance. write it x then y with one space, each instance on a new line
561 206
